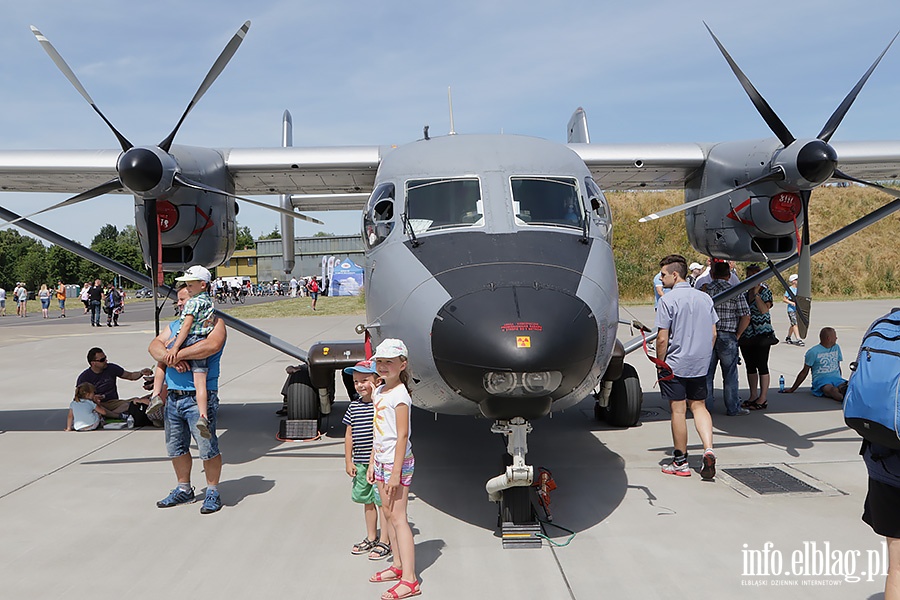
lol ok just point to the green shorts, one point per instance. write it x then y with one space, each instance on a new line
363 492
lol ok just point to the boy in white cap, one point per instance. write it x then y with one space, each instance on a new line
197 321
793 329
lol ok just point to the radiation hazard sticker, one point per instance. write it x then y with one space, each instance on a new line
523 341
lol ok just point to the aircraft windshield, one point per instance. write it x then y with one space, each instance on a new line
439 203
547 201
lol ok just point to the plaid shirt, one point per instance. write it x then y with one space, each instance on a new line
731 311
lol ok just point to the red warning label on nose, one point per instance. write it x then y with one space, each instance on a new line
522 326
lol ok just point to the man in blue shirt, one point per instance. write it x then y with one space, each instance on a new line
824 360
181 413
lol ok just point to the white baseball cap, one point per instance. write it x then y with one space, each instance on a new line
390 348
196 273
794 277
695 265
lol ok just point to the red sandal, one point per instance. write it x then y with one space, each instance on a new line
392 593
390 574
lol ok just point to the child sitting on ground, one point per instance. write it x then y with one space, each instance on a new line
197 321
84 413
357 450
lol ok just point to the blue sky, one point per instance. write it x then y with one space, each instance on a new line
375 73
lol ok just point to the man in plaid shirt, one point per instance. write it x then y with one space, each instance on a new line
734 316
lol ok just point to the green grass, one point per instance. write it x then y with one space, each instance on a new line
299 307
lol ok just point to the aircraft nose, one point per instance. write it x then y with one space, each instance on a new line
514 349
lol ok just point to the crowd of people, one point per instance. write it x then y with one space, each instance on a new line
743 330
695 336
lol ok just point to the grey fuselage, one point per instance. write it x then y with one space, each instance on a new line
480 259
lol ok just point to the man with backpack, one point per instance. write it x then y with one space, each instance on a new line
114 305
872 407
313 288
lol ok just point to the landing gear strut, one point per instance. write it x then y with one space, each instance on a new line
512 490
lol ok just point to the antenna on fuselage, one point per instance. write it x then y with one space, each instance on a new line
450 102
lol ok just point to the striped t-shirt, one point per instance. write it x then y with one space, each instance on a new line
360 416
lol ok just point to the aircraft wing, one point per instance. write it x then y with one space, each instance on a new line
668 166
346 172
60 171
255 171
641 166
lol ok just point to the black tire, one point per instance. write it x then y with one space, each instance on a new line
302 397
515 505
624 408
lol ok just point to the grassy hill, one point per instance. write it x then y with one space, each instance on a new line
866 265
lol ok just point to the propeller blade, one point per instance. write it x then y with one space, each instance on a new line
155 250
103 188
841 175
804 271
195 185
70 75
776 175
762 107
213 74
841 111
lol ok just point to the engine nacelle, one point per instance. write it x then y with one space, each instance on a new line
746 223
195 227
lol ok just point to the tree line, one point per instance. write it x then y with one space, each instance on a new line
23 258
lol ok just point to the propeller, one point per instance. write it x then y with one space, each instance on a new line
151 172
800 166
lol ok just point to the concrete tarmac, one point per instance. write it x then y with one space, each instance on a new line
78 516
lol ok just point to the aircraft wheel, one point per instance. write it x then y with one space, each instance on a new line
515 505
302 397
624 408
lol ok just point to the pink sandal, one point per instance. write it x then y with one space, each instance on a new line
390 574
392 593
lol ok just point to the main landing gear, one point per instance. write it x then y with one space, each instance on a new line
619 401
512 489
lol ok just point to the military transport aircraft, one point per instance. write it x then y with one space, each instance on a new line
508 299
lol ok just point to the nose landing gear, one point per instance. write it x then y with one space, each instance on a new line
512 489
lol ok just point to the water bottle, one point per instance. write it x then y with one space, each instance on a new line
129 422
781 384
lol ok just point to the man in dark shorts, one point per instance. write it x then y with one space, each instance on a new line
880 511
686 332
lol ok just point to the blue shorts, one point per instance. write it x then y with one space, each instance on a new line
198 365
682 388
821 382
180 418
62 304
45 303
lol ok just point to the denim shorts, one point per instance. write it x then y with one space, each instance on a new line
180 417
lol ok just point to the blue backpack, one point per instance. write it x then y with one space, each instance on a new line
872 401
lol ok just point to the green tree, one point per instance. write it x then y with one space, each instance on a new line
245 238
15 264
107 232
323 234
275 235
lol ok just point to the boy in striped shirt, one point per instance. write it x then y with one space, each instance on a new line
359 420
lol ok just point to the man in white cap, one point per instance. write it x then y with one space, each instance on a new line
793 329
693 272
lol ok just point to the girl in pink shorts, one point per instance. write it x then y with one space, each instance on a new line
392 464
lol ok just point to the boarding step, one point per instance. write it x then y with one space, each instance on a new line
298 429
522 535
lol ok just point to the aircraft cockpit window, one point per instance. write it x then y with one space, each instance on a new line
600 213
547 201
433 204
378 220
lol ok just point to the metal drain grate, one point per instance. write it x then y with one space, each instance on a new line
769 480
